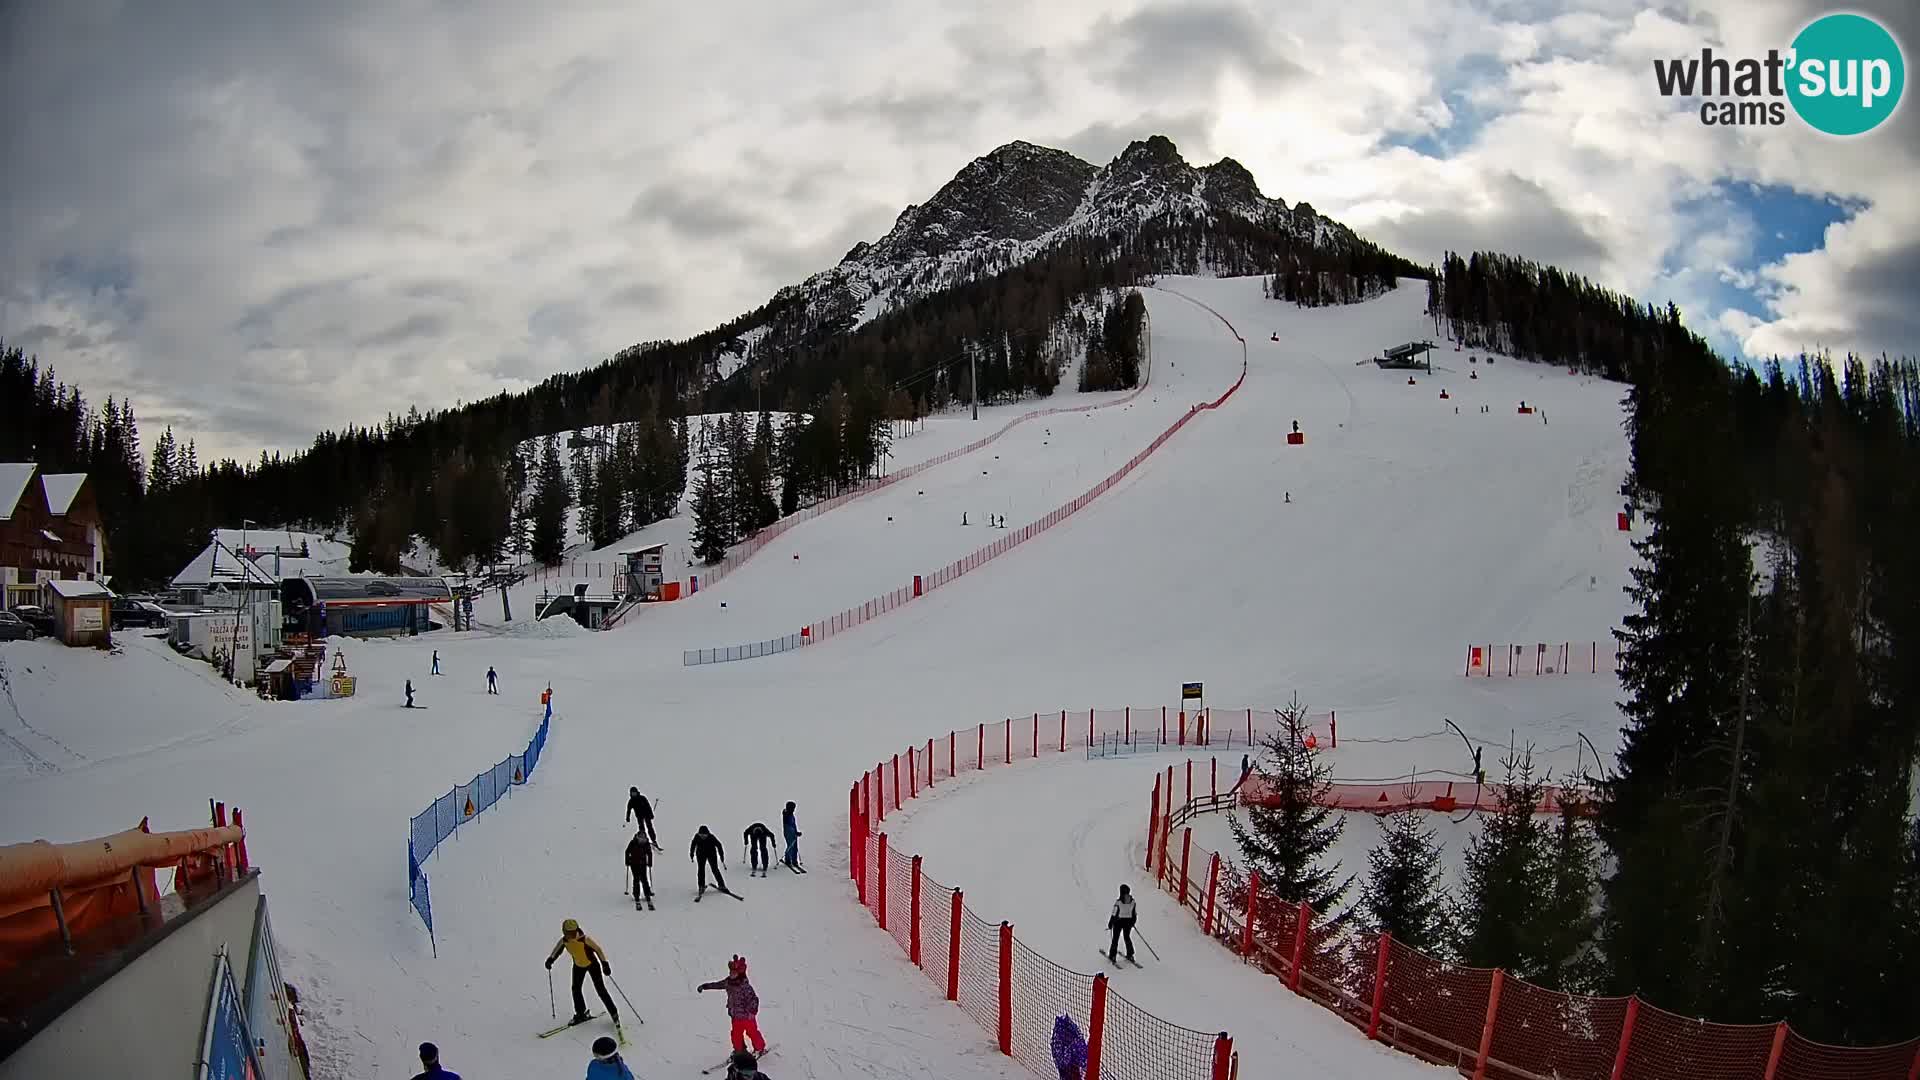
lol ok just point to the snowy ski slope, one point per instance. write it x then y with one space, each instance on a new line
1412 531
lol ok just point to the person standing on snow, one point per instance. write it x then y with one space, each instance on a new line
409 703
744 1066
436 661
743 1005
707 854
607 1063
792 833
588 959
493 684
758 840
638 808
639 861
1121 922
1069 1048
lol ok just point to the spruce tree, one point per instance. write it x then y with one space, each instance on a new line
1566 921
551 500
1403 894
586 479
1286 837
710 518
1507 872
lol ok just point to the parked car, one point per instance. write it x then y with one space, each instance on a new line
37 617
14 628
127 611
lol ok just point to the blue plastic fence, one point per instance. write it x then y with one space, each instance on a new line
462 804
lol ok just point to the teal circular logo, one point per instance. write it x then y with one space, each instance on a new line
1847 74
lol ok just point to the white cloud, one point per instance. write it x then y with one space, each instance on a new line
267 218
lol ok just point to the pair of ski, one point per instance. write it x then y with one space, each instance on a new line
618 1030
762 872
1118 960
761 1056
728 892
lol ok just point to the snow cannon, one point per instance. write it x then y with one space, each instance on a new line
1443 394
1473 374
1296 437
1275 337
1526 409
1410 380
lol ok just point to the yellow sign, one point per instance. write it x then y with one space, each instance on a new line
343 685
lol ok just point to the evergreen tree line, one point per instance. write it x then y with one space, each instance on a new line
1761 817
1517 307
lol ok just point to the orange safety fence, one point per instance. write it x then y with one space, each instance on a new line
1483 1022
1543 658
1011 991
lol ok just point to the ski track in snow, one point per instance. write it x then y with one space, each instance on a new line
1412 532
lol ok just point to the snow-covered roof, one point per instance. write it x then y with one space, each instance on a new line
51 535
218 563
14 478
60 489
67 589
284 541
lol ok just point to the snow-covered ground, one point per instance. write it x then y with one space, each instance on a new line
1412 531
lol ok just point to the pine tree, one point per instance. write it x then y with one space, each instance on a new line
550 503
585 483
1507 872
1287 835
1403 894
710 517
1567 919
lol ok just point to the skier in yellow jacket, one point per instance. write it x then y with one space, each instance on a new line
588 959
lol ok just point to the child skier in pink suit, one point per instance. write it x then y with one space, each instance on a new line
743 1005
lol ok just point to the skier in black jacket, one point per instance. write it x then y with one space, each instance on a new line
707 854
639 861
759 842
638 807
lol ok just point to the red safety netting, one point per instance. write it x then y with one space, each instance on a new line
1441 1011
1666 1044
1804 1059
1033 989
900 900
936 931
1043 990
1141 1046
980 971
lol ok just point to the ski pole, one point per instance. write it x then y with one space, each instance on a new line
625 998
551 1007
1148 944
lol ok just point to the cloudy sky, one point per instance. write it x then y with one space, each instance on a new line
259 218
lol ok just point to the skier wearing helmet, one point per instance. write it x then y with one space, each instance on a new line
607 1063
744 1066
588 959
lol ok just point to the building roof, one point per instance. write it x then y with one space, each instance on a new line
60 489
67 589
1411 348
14 478
218 563
267 541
